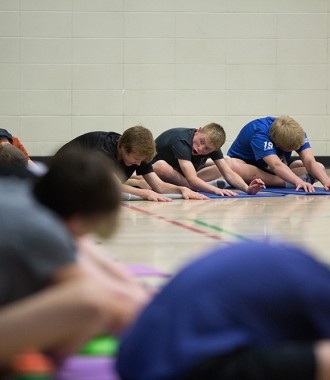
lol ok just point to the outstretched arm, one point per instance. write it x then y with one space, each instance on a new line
237 181
165 187
147 194
126 296
59 319
284 172
314 168
197 183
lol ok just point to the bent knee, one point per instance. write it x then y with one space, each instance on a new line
161 168
91 299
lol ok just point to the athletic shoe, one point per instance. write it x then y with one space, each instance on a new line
305 177
308 178
223 184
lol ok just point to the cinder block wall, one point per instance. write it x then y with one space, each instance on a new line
72 66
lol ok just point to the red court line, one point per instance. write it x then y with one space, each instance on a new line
171 221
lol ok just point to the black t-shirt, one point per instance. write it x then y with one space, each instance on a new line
176 144
107 142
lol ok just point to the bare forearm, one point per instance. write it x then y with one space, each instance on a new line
199 185
317 171
237 181
58 319
285 173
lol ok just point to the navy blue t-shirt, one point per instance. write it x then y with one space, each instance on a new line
253 143
244 295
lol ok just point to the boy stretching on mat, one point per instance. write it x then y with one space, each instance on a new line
263 150
183 152
132 151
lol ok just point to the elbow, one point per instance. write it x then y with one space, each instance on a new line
192 184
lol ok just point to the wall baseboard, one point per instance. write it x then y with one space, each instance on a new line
325 160
43 159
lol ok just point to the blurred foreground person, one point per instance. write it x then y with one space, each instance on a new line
57 287
249 311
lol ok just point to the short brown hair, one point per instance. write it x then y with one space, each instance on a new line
79 184
216 134
138 140
287 133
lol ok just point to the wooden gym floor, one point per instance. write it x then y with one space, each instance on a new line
168 235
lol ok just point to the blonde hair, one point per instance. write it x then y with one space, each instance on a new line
215 133
287 133
138 140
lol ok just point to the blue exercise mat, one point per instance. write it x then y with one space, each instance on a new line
244 195
286 191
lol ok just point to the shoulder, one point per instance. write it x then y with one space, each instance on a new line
185 134
177 131
260 128
21 209
261 123
113 136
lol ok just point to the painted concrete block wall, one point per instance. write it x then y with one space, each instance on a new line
72 66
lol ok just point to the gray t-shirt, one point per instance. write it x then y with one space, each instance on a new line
34 242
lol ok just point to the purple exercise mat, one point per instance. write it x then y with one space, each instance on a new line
87 368
139 269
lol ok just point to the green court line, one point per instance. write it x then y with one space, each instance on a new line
219 229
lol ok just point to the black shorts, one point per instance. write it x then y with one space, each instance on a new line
290 361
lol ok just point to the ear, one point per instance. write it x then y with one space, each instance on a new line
198 130
120 151
77 225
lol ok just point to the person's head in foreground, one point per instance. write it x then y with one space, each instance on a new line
10 155
287 134
136 145
82 190
247 311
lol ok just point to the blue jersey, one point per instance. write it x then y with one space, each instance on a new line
253 143
250 294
